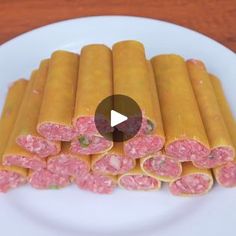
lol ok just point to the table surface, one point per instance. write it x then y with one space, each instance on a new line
214 18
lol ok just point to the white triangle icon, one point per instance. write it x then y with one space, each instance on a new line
117 118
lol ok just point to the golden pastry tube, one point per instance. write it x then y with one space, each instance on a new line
96 182
185 134
133 77
55 118
226 174
161 166
222 150
137 179
27 135
193 181
11 176
67 164
94 85
113 161
45 179
14 155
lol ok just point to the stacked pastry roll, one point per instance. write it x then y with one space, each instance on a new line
11 176
187 134
225 174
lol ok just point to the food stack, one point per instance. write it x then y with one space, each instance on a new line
49 137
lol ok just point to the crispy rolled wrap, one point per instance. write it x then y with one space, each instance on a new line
94 85
161 166
55 118
137 179
45 179
226 174
27 135
222 150
68 164
11 176
185 134
14 155
193 181
133 77
112 162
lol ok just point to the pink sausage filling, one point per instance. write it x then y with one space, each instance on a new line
57 132
187 150
87 145
44 179
227 175
139 182
163 166
67 165
86 125
134 127
113 164
10 180
143 145
33 163
43 148
217 157
191 184
96 183
88 140
147 127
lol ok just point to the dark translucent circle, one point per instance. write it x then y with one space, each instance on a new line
125 106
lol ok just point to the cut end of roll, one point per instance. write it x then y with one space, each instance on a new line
10 180
191 184
37 145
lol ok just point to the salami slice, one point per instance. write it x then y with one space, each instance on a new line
137 179
193 181
68 164
226 174
133 76
44 179
222 150
97 183
112 162
185 133
94 85
161 166
55 118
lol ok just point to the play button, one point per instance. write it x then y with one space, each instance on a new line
118 118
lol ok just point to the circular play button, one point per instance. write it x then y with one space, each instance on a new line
118 118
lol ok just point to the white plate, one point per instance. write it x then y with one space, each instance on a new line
73 212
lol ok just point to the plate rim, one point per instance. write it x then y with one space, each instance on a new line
143 18
10 43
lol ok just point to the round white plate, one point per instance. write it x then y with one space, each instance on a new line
70 211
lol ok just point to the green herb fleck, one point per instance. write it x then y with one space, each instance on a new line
161 162
150 127
53 187
84 141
